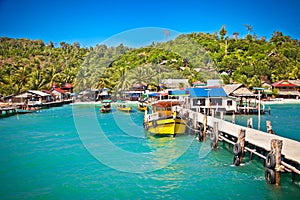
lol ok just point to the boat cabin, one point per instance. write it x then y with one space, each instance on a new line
164 108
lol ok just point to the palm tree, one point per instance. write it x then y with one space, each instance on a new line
236 35
20 77
52 76
249 28
37 80
223 32
122 83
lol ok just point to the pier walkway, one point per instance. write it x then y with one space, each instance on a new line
290 148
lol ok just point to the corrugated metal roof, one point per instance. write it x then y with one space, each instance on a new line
296 82
283 83
43 94
205 92
59 90
177 92
214 82
174 83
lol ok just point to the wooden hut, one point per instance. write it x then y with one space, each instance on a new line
288 89
246 99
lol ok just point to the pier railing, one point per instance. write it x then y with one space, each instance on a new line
260 143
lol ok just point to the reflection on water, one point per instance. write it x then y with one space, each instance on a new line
168 149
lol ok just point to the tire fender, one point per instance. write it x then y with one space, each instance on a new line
270 161
237 149
270 176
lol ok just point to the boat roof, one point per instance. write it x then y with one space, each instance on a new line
106 101
167 103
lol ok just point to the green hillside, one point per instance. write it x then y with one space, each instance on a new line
32 64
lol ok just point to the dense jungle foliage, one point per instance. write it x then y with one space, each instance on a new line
32 64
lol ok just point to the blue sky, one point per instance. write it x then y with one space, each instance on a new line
90 22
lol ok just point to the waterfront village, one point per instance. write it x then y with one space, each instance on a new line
197 115
209 96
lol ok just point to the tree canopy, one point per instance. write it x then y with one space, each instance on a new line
32 64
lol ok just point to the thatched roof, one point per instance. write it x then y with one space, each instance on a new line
243 91
231 88
237 90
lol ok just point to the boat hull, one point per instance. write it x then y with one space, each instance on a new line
23 111
166 127
104 110
142 108
124 109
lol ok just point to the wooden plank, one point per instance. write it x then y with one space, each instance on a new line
290 149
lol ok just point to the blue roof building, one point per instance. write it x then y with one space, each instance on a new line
206 92
209 99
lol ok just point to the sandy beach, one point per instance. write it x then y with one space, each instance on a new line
282 101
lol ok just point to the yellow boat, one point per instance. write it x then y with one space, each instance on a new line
142 107
162 121
124 108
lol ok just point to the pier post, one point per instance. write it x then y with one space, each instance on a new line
273 162
278 161
239 147
250 123
241 140
205 126
194 120
233 118
214 136
269 127
221 115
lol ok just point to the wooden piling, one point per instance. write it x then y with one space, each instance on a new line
214 136
269 127
233 118
221 115
205 126
276 147
239 147
257 144
241 140
194 120
250 123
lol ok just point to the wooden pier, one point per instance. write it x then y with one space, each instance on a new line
12 110
7 111
56 103
253 141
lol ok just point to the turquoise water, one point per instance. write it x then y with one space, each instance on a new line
77 153
285 119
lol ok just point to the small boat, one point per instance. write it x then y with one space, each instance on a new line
162 120
124 108
26 110
106 107
142 106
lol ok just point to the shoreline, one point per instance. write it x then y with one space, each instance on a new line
282 101
99 103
